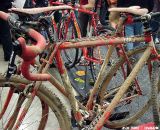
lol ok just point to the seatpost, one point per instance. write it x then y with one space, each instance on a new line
122 20
145 20
12 68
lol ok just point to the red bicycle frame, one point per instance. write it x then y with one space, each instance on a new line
93 23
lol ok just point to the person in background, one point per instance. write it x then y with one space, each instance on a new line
20 3
5 36
104 13
41 3
156 7
155 22
84 18
29 3
90 4
134 28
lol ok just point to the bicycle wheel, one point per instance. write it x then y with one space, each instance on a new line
133 104
46 111
67 31
155 83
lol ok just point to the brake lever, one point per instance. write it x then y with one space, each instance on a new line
12 68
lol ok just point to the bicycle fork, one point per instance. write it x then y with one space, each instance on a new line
69 89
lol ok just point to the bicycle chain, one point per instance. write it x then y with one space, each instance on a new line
94 122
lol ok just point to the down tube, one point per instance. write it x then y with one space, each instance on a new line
68 86
123 88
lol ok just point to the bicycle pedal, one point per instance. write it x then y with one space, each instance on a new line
118 116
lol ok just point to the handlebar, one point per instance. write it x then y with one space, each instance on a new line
148 17
28 53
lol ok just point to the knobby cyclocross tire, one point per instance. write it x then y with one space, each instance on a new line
47 99
67 31
155 82
138 112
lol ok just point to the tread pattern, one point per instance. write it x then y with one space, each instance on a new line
49 98
154 95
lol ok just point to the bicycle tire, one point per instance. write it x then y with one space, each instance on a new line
138 112
48 97
66 27
155 82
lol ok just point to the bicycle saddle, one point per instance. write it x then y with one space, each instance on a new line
32 11
133 10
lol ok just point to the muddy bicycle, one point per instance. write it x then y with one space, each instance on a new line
104 107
